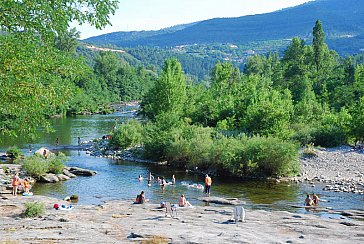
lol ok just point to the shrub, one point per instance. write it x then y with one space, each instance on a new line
189 145
33 209
271 156
14 152
55 166
309 151
129 134
334 129
35 166
304 133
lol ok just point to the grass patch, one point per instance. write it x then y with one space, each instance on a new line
157 239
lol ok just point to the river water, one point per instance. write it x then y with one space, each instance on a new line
118 179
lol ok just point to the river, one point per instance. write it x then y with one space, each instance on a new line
118 179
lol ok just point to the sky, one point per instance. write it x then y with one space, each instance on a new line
137 15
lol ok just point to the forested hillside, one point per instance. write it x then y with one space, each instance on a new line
342 20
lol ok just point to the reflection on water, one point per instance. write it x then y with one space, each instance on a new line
118 179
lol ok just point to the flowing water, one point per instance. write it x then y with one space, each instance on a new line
118 179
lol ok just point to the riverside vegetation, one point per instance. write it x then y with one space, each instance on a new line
252 123
245 124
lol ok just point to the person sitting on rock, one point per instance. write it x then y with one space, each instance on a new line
183 201
315 199
140 199
308 201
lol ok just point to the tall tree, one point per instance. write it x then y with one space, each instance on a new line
36 79
169 92
318 44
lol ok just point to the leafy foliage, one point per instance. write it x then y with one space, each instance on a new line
14 152
128 134
33 209
38 71
37 165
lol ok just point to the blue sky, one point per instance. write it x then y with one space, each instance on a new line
156 14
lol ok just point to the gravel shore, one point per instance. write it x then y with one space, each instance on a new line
342 168
123 222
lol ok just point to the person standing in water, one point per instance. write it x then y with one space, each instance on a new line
15 182
208 183
173 180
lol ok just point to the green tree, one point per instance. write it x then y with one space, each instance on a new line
36 79
168 94
68 41
318 44
357 125
51 18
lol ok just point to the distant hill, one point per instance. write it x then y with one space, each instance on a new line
342 21
120 38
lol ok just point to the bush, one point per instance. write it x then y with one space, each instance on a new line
304 133
128 134
309 151
55 166
14 152
37 165
191 145
33 209
269 156
334 129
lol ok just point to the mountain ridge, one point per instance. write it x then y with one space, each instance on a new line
340 18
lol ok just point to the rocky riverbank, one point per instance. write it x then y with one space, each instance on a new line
123 222
7 172
341 169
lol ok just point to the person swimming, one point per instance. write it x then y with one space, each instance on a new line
315 199
140 177
308 200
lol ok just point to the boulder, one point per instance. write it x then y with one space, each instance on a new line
49 178
44 152
67 173
62 177
80 171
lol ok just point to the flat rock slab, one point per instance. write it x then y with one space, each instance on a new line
222 201
122 222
